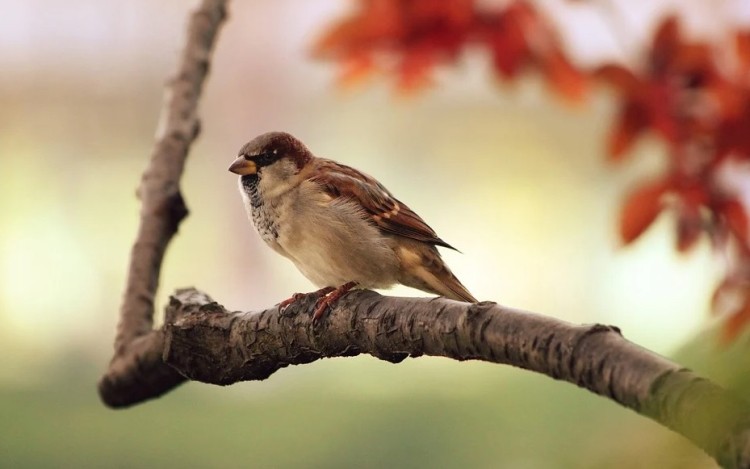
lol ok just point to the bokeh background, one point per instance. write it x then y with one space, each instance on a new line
512 177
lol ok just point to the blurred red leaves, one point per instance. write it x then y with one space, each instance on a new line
701 114
735 218
641 209
742 43
633 120
692 97
409 38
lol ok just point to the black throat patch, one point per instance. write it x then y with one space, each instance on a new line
250 185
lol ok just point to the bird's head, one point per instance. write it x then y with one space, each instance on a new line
276 155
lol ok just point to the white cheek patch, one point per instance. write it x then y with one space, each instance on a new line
277 178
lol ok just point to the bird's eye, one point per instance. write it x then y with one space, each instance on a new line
266 158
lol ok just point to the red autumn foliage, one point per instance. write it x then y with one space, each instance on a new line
641 209
735 217
409 38
694 97
631 123
736 322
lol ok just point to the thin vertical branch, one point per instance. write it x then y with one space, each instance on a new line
162 210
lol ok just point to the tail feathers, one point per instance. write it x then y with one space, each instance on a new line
454 289
428 272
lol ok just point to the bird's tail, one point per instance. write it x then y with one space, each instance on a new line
454 289
432 275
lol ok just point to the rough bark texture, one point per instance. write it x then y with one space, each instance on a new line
134 373
207 343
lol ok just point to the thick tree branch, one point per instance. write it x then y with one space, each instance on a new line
162 210
205 342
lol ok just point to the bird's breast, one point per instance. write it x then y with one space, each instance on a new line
330 242
264 215
265 222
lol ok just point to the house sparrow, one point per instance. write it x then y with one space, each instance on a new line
339 226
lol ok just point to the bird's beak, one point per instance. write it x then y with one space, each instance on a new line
243 167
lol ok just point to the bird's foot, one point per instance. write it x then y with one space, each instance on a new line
331 297
298 296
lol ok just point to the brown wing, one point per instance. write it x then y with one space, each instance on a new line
385 211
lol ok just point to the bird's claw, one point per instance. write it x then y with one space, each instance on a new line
284 304
320 307
298 296
331 297
328 295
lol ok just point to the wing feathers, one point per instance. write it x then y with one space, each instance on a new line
385 211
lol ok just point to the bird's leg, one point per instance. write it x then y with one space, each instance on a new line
299 296
326 301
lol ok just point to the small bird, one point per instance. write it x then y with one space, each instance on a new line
340 227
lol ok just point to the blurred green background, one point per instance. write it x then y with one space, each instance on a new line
507 174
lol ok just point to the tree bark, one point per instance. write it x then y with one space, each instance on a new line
136 371
207 343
